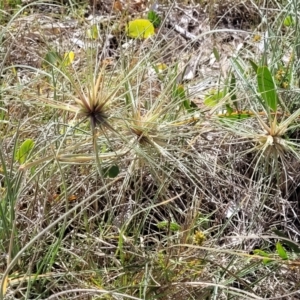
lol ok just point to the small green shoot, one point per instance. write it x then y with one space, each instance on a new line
294 247
166 225
92 32
154 18
216 54
52 58
213 97
180 94
253 65
281 251
24 150
264 254
288 21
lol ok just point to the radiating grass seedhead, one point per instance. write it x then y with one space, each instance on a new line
93 104
274 143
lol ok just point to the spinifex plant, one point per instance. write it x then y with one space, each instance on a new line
266 125
92 103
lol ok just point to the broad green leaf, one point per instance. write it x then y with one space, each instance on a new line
288 21
166 224
140 28
52 58
24 150
266 261
281 252
68 58
154 18
266 87
112 171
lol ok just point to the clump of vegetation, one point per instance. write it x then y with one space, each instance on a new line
127 173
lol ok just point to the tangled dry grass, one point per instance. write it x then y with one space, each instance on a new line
134 189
